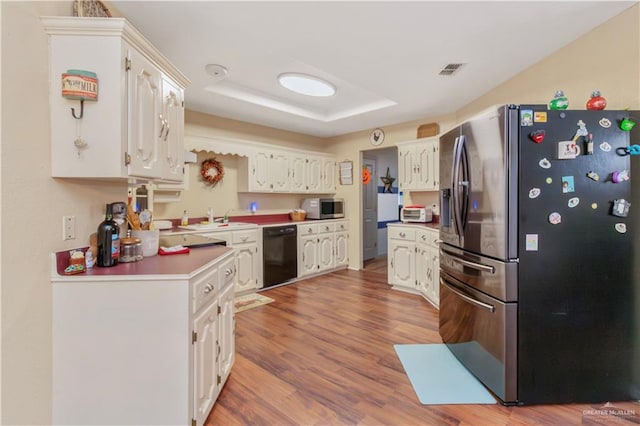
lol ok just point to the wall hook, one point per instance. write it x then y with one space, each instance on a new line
73 110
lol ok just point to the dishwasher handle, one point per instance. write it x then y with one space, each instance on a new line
282 230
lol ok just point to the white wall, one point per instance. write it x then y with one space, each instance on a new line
33 204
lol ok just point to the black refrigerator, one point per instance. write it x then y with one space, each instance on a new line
539 288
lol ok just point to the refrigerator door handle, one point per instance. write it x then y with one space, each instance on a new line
455 190
474 265
465 183
469 299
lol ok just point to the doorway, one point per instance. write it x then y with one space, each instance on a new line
380 204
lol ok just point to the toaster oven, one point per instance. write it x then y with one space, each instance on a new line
416 214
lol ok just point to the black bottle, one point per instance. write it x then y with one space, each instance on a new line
108 240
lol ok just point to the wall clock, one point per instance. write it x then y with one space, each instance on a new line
376 137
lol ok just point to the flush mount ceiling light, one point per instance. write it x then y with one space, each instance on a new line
215 70
306 84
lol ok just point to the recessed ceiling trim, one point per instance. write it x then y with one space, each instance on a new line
244 94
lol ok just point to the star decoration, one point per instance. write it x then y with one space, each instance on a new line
388 182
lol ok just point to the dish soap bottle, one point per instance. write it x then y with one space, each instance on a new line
108 240
185 219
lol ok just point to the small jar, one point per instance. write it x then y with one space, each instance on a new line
130 249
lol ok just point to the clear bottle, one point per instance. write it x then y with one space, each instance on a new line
185 219
108 240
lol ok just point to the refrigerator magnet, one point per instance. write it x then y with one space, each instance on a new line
594 206
544 163
593 176
568 184
549 181
534 192
573 202
604 146
620 208
605 122
526 117
619 176
555 218
537 136
582 130
621 227
568 150
540 116
531 242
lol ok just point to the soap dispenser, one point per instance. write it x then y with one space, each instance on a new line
210 214
185 219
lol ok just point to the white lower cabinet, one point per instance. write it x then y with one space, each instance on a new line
322 246
147 349
248 256
413 261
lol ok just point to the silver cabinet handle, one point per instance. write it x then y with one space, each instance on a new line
402 234
208 288
227 272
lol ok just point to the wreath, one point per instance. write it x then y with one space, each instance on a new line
212 171
366 176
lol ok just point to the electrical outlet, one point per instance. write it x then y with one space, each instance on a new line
68 227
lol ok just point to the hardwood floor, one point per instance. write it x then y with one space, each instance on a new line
322 354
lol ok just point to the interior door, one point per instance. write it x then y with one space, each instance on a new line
370 212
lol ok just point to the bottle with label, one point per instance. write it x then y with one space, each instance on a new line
108 240
185 219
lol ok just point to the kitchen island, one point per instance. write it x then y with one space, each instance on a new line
149 342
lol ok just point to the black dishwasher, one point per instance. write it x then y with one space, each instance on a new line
280 254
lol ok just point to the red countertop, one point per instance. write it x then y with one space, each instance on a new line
175 264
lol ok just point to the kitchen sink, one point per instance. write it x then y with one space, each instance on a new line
217 225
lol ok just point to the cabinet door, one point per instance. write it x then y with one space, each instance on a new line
308 255
226 338
341 248
326 253
406 167
328 176
259 179
279 172
314 174
424 268
401 263
145 117
435 288
298 173
247 266
436 164
424 166
172 131
205 362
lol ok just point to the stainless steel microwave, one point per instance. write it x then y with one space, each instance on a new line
323 208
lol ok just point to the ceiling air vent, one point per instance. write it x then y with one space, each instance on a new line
450 69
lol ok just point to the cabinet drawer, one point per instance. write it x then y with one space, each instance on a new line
341 226
227 271
226 236
247 236
205 287
307 229
399 233
326 227
428 237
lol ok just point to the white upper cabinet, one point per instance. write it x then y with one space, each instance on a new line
265 169
418 165
135 127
